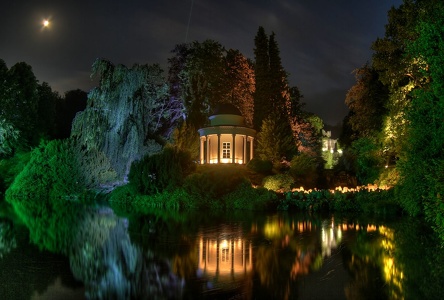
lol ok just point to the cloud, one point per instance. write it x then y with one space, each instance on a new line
328 104
321 41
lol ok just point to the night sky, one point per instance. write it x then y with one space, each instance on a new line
321 41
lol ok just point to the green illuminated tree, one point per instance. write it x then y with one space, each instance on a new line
422 159
395 66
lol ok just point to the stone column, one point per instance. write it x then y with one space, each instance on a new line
202 138
234 148
244 150
251 147
218 148
207 161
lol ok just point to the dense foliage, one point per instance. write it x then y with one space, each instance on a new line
162 171
50 180
422 159
395 126
210 187
28 109
203 74
128 116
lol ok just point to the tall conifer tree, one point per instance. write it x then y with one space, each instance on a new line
262 101
272 97
279 91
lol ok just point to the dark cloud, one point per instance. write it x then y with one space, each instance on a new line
328 104
321 41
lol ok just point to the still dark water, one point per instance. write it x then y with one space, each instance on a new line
236 255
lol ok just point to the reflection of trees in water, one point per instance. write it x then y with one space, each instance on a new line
421 254
7 238
25 270
104 258
287 255
367 279
100 250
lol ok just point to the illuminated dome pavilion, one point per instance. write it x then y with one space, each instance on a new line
227 140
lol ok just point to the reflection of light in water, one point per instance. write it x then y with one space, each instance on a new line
392 272
331 236
393 275
225 256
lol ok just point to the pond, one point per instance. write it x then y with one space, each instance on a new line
235 255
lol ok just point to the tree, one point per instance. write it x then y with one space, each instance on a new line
394 66
47 101
202 75
262 97
279 90
186 138
197 77
9 138
19 102
126 114
422 161
241 81
304 126
367 100
368 159
273 141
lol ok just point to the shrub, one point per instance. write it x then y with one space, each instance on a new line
304 170
369 161
52 172
161 171
278 182
248 198
41 194
260 166
210 183
10 168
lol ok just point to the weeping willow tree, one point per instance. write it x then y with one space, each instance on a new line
128 115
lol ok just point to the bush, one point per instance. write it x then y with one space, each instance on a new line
374 203
161 171
381 202
42 194
52 173
210 183
369 161
303 168
10 168
278 182
260 166
246 197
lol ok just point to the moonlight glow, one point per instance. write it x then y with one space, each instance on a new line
45 23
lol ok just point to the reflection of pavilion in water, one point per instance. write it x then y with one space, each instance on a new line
225 255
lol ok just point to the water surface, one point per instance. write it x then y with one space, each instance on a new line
235 255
